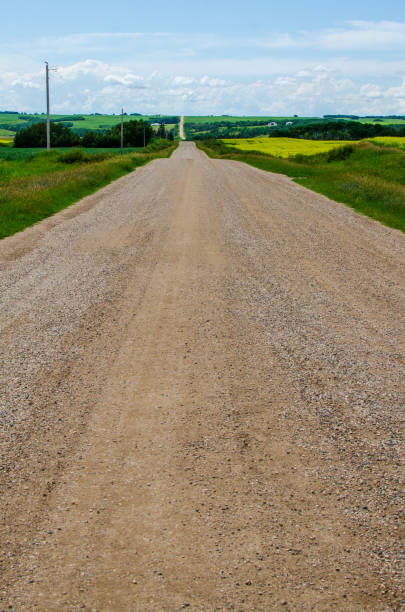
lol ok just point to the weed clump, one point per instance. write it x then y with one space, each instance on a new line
78 156
335 154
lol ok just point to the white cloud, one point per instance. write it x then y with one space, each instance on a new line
214 82
181 80
94 86
334 70
128 80
365 35
26 84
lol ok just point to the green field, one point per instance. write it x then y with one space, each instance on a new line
317 128
230 119
225 126
384 121
89 122
6 136
252 119
284 147
368 177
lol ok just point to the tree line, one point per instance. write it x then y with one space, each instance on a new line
136 134
339 130
308 129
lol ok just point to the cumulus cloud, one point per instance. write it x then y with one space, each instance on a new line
325 71
25 84
181 80
207 81
127 80
95 86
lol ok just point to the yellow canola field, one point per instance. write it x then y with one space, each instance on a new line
389 141
284 147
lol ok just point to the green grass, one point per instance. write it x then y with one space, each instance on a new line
35 186
369 178
10 153
231 119
16 163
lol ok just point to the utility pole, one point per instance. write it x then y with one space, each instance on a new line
122 129
48 121
48 118
144 136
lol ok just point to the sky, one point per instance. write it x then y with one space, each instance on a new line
225 57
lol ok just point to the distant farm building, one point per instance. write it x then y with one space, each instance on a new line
272 124
289 123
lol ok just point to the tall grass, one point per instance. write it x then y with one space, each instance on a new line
50 184
369 178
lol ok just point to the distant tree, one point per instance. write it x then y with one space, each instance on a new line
135 133
161 132
35 136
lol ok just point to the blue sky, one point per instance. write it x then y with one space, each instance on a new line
206 57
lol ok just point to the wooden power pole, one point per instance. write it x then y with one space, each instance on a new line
48 121
122 129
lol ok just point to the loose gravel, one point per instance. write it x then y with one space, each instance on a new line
202 399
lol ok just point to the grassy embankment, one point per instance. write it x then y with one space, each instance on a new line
389 141
36 184
368 177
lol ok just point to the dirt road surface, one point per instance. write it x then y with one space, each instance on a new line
201 400
181 129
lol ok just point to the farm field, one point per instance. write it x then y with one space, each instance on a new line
231 119
385 121
319 128
389 141
75 121
239 127
6 136
284 147
288 147
252 119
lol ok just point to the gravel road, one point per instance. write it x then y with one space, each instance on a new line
201 399
181 129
